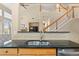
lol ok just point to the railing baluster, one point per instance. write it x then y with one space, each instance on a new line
69 13
72 12
58 20
56 25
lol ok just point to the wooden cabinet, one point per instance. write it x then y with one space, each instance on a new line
37 52
8 51
27 51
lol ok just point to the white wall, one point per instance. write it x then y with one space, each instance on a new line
8 5
74 27
37 36
15 17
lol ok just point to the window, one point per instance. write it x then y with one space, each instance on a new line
7 15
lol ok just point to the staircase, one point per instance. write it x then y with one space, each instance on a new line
60 21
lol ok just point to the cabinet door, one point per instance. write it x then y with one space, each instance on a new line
8 51
38 52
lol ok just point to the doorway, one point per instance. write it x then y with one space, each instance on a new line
33 27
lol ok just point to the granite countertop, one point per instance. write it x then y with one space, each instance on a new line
54 44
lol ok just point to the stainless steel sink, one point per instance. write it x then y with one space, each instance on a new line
38 43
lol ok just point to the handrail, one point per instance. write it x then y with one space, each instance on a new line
63 7
75 6
58 19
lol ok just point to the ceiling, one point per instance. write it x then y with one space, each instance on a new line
47 6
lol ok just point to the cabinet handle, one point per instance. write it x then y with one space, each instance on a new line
6 51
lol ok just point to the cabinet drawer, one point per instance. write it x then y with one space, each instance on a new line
8 51
28 51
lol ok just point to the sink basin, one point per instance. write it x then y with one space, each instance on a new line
38 43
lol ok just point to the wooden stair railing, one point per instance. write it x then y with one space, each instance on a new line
63 7
57 19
